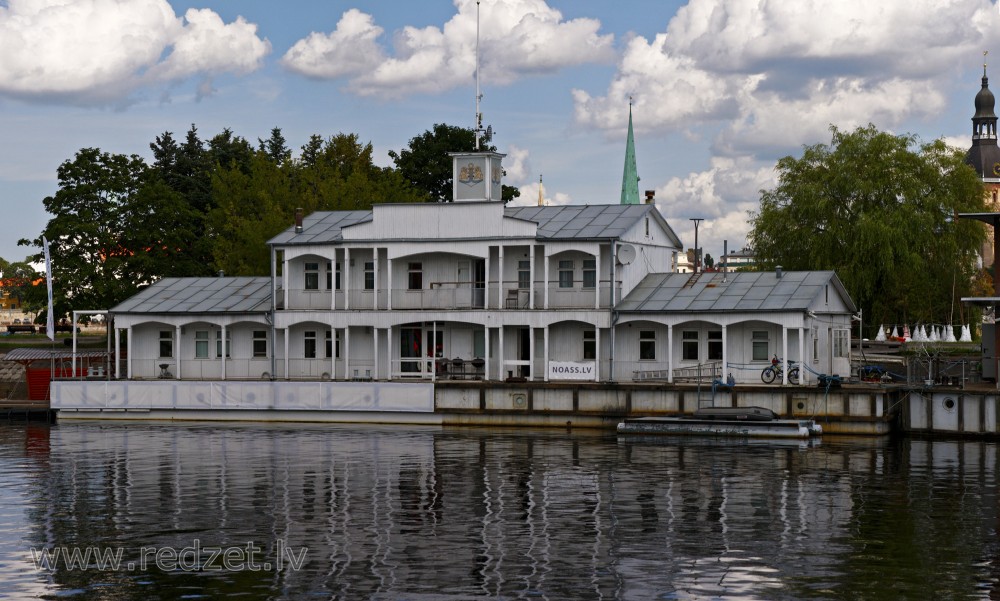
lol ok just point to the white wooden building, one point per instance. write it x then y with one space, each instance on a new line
472 289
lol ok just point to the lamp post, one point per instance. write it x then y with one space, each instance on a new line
696 221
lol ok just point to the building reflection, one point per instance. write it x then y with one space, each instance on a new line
385 512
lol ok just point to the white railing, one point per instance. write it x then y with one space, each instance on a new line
308 299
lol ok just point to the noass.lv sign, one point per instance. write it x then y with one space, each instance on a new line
572 370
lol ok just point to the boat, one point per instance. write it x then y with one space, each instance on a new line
724 421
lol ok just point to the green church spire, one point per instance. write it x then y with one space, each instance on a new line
630 179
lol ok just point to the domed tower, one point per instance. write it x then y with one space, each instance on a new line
984 155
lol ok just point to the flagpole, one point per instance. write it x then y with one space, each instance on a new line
49 324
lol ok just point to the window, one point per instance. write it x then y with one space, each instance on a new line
332 344
329 275
689 345
565 274
201 345
166 343
416 276
524 274
715 345
760 350
369 275
260 343
309 346
218 343
336 277
590 273
312 276
841 343
647 345
589 344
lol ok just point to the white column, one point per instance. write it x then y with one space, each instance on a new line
486 283
545 276
597 354
346 281
118 353
433 350
375 290
333 282
225 349
802 355
388 300
177 351
284 279
531 353
597 278
500 292
502 354
725 353
486 341
287 336
128 358
333 350
347 353
546 342
784 354
531 276
388 351
670 353
375 352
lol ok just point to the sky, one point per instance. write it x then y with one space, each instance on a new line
719 89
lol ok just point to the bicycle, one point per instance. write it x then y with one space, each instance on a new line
774 371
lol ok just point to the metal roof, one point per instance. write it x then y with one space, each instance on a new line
322 227
201 295
29 354
558 223
742 291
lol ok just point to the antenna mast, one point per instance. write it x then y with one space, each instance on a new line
479 96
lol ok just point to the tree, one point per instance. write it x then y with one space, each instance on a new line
880 210
22 282
426 164
709 261
88 235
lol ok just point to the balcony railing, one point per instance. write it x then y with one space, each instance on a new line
453 296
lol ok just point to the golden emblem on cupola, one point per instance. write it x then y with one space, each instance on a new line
471 174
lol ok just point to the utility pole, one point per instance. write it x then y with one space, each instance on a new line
697 258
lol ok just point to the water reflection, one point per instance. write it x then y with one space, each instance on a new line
409 513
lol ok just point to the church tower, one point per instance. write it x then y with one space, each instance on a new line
630 179
984 155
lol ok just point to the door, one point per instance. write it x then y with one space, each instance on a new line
410 350
479 284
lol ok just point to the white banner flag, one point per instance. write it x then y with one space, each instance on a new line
50 329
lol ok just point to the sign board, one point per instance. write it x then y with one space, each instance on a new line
572 370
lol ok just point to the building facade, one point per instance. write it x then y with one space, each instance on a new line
472 289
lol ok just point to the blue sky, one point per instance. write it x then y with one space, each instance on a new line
721 88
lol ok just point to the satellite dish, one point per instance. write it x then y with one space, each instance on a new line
626 254
489 132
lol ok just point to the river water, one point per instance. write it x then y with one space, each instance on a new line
220 511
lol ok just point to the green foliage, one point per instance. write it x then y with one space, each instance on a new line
879 210
88 242
426 164
22 282
255 205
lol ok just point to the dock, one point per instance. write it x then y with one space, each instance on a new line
24 411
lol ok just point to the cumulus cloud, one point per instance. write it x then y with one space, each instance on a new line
529 197
762 79
517 38
516 166
101 51
721 195
775 73
351 48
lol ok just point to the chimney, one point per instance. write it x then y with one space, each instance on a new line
298 221
777 271
222 274
649 196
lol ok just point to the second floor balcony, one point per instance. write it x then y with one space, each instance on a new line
452 296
